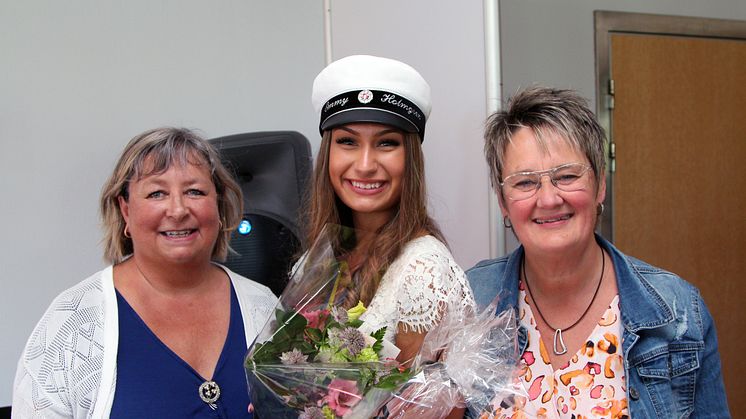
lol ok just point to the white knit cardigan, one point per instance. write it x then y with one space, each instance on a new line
68 367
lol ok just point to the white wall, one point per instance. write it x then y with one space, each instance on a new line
80 78
444 41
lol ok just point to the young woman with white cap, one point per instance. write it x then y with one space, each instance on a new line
369 175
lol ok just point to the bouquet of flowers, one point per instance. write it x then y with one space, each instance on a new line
311 360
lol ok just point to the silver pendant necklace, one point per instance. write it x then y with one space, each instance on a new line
559 347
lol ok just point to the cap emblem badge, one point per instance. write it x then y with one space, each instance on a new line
365 96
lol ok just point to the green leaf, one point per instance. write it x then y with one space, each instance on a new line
291 329
333 324
266 353
366 376
294 325
258 348
394 379
307 349
280 316
315 335
286 315
379 334
281 337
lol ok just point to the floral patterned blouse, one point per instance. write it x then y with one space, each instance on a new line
591 385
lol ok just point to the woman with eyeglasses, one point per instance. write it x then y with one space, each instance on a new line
601 333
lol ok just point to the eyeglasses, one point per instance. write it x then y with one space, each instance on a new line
569 177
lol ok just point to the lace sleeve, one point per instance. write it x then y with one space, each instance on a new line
430 284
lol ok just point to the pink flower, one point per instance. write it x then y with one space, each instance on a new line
342 396
316 318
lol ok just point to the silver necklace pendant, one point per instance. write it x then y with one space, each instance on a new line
558 338
209 392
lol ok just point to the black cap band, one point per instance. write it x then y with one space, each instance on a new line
372 106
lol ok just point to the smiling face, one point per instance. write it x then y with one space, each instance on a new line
552 220
173 216
366 168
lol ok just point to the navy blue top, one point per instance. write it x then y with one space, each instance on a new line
153 382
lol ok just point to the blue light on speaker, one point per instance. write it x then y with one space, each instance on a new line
244 227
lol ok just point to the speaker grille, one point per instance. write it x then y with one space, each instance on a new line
265 254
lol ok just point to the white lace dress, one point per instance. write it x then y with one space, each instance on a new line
416 289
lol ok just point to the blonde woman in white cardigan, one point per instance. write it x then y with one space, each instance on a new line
162 331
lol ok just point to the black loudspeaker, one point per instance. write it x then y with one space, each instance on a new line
273 169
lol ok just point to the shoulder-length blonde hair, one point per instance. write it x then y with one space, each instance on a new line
410 219
154 152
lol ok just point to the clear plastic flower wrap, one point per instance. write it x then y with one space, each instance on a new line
467 360
310 360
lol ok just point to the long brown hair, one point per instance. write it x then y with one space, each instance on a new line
410 219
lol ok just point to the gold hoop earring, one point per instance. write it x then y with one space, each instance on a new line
220 225
126 232
507 223
600 209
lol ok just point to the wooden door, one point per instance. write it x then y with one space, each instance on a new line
679 130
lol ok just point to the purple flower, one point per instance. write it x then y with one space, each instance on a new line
340 315
351 339
293 357
311 413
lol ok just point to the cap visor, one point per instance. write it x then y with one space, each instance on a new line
368 115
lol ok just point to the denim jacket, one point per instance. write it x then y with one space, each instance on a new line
669 346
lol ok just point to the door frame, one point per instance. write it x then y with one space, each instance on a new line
607 23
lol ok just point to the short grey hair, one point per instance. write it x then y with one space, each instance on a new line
154 152
545 111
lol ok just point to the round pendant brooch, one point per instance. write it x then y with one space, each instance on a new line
209 392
